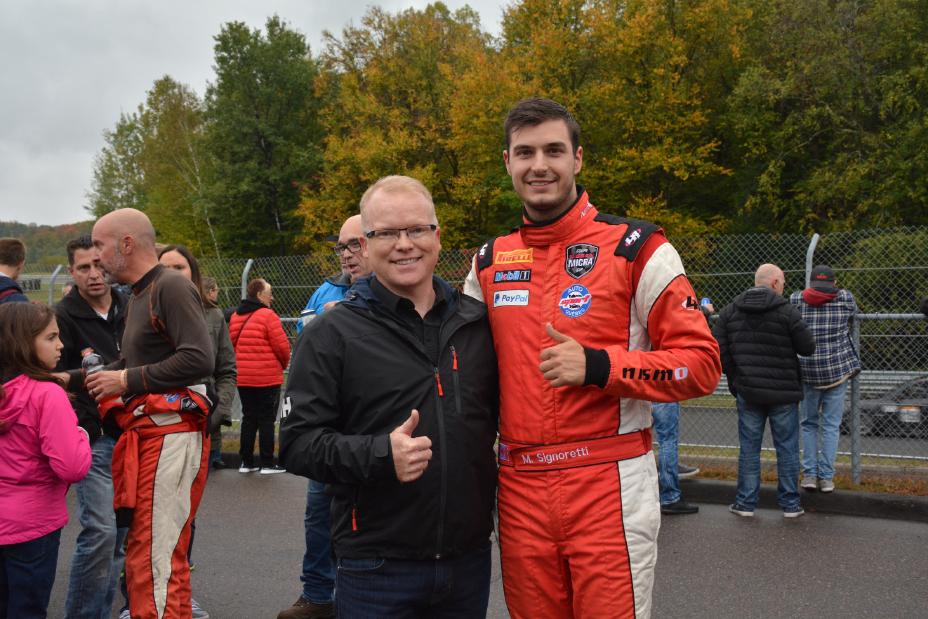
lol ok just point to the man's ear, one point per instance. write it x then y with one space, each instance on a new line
506 161
364 251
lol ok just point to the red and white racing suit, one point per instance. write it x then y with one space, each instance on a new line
159 473
578 499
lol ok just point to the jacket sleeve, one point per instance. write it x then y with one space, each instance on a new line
472 282
64 443
224 373
803 340
721 336
311 441
277 338
682 350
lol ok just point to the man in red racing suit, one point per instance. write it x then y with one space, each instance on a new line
592 319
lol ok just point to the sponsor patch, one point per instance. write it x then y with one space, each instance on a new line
689 303
575 301
580 259
654 374
514 256
634 236
483 250
502 298
517 275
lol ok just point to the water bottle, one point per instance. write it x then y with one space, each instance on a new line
91 361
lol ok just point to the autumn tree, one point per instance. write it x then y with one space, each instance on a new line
390 88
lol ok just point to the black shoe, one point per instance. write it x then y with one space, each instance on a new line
679 507
219 464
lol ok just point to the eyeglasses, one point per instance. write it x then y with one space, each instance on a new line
354 246
393 234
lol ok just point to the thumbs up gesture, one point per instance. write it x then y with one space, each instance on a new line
564 363
410 455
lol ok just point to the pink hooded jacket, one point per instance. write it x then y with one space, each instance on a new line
42 451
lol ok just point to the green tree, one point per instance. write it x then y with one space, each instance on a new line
263 135
177 167
118 177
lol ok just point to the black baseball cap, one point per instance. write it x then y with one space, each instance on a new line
823 278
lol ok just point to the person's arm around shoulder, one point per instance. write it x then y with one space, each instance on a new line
472 282
801 335
64 443
313 442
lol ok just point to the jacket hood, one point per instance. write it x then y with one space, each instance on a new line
816 296
6 283
16 393
759 300
75 305
247 306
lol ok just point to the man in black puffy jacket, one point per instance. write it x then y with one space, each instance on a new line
393 402
759 336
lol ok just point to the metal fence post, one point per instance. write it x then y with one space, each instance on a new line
810 256
51 284
245 272
855 407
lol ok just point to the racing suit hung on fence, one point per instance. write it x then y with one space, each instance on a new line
578 498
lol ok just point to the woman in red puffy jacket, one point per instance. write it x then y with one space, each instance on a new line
262 352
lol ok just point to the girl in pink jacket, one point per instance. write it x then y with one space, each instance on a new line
42 451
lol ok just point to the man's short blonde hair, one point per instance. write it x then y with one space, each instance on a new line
396 184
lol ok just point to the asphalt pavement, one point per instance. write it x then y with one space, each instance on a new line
249 547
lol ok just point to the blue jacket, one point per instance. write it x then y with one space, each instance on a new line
332 289
10 291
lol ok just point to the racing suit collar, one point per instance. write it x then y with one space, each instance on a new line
541 234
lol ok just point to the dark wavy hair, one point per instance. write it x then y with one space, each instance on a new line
20 324
194 270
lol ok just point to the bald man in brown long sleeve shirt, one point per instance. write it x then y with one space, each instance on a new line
160 462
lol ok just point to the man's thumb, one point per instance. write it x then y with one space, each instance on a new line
556 335
410 424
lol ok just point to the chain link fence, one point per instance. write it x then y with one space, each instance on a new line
886 270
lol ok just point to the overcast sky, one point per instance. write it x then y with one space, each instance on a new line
69 67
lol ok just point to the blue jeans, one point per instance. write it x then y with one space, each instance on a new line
98 555
318 572
784 428
27 573
667 428
431 588
818 453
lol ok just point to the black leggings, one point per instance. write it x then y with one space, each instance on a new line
259 411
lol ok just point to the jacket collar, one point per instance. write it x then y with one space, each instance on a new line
76 305
545 233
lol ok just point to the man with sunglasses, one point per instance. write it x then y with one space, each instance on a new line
318 572
393 399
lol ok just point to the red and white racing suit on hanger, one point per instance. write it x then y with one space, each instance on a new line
578 499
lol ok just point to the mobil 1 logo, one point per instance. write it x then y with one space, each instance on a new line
580 259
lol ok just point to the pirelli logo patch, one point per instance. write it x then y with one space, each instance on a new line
515 256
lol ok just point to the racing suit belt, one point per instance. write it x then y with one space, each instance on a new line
576 453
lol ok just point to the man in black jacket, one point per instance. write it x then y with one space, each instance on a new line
92 316
393 403
759 336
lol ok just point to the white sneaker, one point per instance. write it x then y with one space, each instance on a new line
247 469
793 513
198 613
809 483
272 470
740 510
826 485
